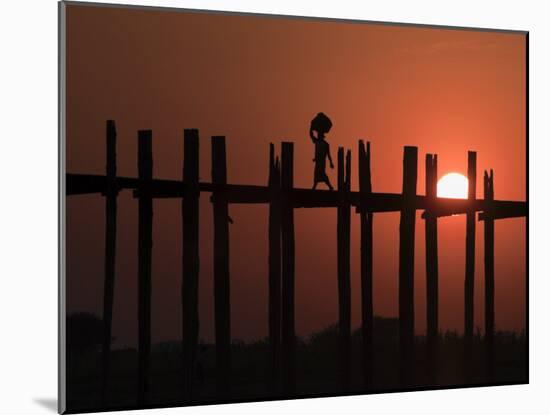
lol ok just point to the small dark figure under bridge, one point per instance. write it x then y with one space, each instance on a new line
321 124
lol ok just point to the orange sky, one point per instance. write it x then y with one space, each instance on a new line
258 80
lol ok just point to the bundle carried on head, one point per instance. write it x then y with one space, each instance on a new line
321 123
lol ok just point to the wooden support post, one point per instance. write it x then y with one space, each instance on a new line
432 277
221 267
344 290
288 268
406 266
367 309
470 267
190 260
489 236
274 260
110 250
145 244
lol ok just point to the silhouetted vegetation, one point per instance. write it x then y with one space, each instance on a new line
317 367
84 334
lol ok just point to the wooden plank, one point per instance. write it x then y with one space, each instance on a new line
145 244
505 210
302 198
79 184
470 266
367 308
406 266
110 251
288 269
274 269
190 260
432 277
489 247
343 259
221 269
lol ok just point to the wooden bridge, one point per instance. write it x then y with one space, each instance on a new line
283 198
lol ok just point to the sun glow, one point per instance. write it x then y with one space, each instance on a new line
453 185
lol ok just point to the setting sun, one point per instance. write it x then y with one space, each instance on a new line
453 185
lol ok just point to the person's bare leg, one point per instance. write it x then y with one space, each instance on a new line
329 185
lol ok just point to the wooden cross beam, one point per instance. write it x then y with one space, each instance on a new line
78 184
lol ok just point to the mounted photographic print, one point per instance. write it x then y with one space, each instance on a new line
260 207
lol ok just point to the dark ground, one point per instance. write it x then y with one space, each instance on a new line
316 372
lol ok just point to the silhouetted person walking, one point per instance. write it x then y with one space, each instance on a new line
322 125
